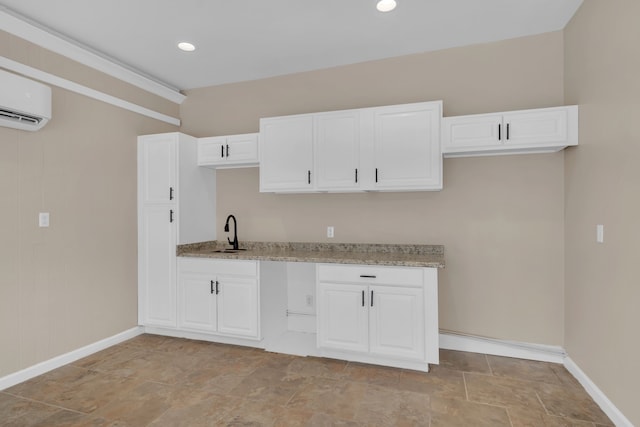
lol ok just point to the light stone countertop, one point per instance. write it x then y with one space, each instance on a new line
338 253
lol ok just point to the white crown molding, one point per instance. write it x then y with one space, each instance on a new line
13 24
64 359
34 73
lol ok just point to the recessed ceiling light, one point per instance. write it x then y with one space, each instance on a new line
386 5
187 47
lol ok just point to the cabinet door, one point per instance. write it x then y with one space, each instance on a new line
337 151
407 147
286 154
228 150
396 322
196 301
538 127
211 150
466 133
157 168
157 261
238 306
343 317
242 149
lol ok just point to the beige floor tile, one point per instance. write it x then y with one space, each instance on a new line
75 419
382 406
293 417
140 406
59 387
460 413
320 419
501 391
166 381
147 341
204 412
571 402
372 374
94 394
268 383
104 360
310 367
214 380
253 413
463 361
437 382
15 411
530 418
167 368
337 398
529 370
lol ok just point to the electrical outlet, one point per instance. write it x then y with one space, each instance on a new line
330 231
600 233
309 300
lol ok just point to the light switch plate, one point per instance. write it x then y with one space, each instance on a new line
330 232
600 233
43 219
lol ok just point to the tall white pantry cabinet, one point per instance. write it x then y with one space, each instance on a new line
176 205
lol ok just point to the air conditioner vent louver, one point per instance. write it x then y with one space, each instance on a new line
19 117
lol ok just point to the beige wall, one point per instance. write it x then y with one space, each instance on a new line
500 218
75 282
602 187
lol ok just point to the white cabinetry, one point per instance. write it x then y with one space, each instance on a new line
286 157
407 152
230 151
219 296
380 315
176 205
337 151
343 319
370 149
516 132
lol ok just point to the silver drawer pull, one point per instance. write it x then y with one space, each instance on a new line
367 276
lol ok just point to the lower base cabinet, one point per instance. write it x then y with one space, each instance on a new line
381 315
219 297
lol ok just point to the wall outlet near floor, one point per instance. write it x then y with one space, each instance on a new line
43 219
309 300
600 233
330 231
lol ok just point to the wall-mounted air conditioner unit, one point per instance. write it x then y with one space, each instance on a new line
24 104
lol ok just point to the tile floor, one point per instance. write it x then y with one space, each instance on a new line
160 381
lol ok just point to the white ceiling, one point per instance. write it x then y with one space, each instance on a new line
241 40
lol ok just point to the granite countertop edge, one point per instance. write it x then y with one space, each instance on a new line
336 253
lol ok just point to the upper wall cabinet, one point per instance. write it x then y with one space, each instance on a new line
528 131
406 150
232 151
286 155
393 148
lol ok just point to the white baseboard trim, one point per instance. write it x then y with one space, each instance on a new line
474 344
64 359
597 395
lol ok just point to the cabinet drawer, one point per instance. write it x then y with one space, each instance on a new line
370 274
218 267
